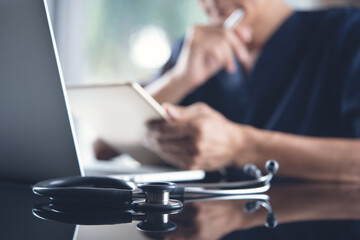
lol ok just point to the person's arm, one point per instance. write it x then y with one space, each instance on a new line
324 159
201 138
206 50
103 151
170 88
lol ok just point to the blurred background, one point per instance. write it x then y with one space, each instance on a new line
118 40
102 41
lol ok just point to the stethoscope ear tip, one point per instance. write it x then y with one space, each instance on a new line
271 221
272 166
251 207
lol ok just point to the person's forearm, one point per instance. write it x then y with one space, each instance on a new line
169 88
323 159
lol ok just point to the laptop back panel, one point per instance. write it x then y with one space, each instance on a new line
36 140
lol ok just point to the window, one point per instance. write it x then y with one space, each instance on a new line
119 40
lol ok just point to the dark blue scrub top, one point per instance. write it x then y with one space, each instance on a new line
306 80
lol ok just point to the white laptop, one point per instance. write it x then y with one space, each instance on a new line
36 135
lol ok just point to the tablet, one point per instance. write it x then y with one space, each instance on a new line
118 114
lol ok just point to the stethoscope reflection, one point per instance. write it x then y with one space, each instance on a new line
150 221
73 199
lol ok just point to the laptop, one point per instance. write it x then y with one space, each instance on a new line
37 138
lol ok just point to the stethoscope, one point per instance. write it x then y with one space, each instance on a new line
151 221
145 197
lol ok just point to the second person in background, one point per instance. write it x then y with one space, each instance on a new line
280 85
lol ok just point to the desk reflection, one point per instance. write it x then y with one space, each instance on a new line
17 221
304 211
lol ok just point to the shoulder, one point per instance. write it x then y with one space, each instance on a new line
345 22
341 25
338 16
334 34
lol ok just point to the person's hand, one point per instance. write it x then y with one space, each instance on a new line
208 49
207 220
103 151
198 137
211 220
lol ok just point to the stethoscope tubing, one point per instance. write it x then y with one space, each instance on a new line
184 190
106 189
261 197
195 190
225 185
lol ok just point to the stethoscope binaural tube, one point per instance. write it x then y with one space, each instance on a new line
89 191
259 184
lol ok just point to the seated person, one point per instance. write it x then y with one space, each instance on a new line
279 85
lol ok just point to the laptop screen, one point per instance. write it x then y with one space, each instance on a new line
36 140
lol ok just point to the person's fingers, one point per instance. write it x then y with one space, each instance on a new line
237 45
184 147
219 56
168 131
167 135
181 160
184 114
175 112
230 64
174 159
160 144
189 122
103 151
245 33
179 153
163 138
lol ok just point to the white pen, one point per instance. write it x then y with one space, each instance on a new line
234 18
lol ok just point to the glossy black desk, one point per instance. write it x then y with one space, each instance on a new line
304 211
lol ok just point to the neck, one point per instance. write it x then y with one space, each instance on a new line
264 25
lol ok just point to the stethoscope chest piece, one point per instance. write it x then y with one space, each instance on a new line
157 223
157 206
153 211
157 198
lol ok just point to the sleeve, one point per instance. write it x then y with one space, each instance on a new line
350 102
